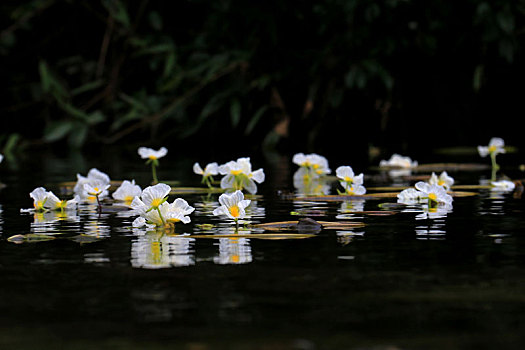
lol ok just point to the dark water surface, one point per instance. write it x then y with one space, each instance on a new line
456 282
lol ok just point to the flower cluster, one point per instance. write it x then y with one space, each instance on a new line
238 175
442 180
154 209
44 200
434 195
313 164
93 186
352 184
398 161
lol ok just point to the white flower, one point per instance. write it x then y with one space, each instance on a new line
151 197
443 180
309 185
127 191
149 153
170 213
179 211
239 175
410 196
503 185
53 203
434 193
95 178
95 189
496 146
350 182
346 174
398 161
316 163
353 189
232 205
210 170
1 158
39 196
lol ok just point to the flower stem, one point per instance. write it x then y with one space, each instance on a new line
161 218
495 166
99 208
154 172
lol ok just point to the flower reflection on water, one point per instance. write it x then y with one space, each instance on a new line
157 249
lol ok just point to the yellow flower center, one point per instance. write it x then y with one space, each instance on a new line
156 202
236 172
348 179
492 149
441 182
152 157
235 211
174 220
315 166
39 205
128 199
432 197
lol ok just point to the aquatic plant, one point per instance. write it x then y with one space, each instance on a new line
209 171
239 176
232 205
39 196
315 164
503 185
152 157
95 178
165 215
127 191
495 147
351 183
443 180
398 161
433 194
96 189
56 204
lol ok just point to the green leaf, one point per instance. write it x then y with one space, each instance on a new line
155 20
87 87
118 11
235 112
478 77
169 64
45 77
57 130
255 119
78 135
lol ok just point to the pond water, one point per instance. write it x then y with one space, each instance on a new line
403 280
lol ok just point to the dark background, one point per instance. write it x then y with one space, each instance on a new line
333 77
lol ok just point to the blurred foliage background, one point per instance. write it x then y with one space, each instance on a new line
330 76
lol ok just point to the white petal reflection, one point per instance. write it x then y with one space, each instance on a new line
345 237
156 250
234 251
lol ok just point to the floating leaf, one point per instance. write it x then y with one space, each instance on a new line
293 225
30 238
275 236
195 190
